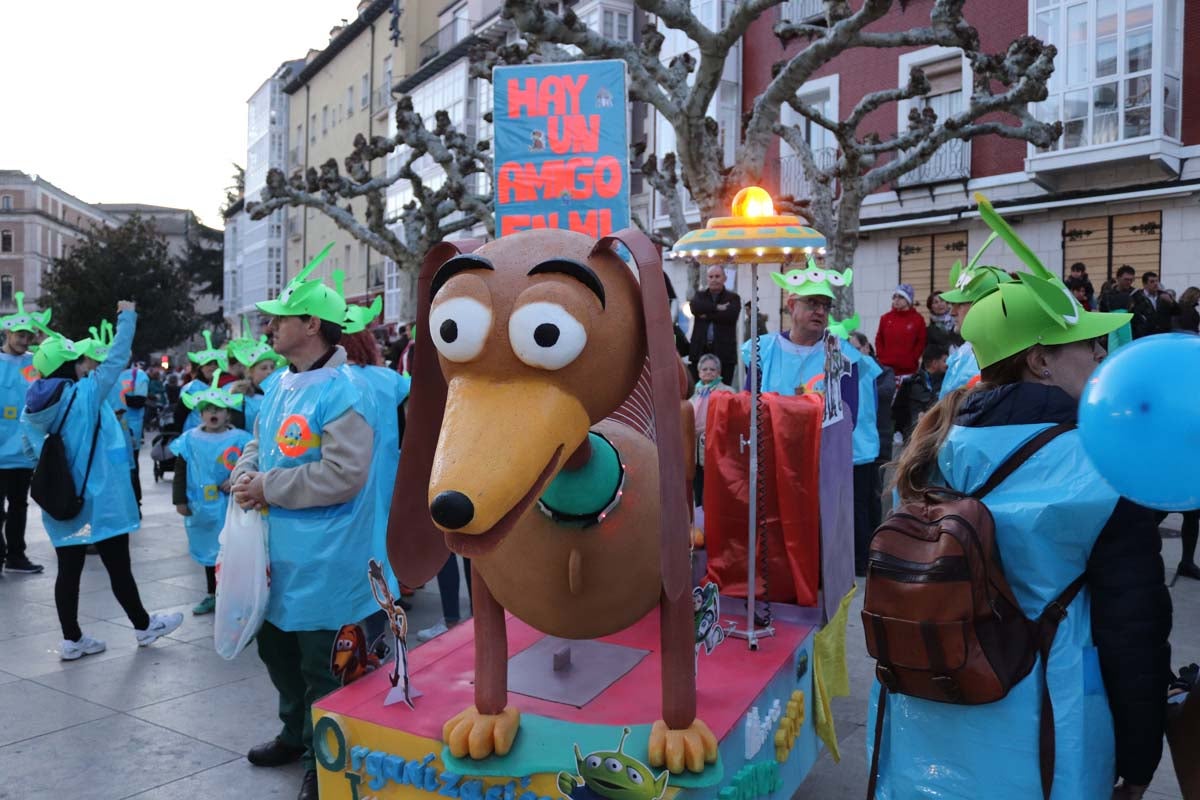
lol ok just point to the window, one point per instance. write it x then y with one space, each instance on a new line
6 289
1105 243
6 241
312 137
364 90
1121 75
822 95
925 261
324 120
616 25
349 101
6 203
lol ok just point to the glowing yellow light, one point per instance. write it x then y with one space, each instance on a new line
821 250
753 201
760 252
733 251
808 251
787 251
712 253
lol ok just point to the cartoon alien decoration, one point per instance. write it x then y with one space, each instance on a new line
709 633
612 776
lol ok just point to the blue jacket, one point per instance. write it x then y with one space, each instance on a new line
16 376
960 369
109 507
1050 516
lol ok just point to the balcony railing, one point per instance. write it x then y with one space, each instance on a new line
444 39
803 10
792 179
951 162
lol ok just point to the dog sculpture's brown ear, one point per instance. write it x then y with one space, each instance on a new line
416 547
665 387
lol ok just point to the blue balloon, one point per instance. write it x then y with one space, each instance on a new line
1139 421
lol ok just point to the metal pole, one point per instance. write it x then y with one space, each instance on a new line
751 582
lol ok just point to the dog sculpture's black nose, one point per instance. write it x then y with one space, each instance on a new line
452 510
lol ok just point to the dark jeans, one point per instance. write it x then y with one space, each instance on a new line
298 664
114 553
867 511
14 506
447 581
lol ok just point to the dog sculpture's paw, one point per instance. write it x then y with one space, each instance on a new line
470 733
690 748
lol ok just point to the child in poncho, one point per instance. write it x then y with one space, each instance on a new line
205 457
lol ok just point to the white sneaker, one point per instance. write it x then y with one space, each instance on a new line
86 646
160 625
433 632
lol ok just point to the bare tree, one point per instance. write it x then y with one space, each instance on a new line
682 90
438 211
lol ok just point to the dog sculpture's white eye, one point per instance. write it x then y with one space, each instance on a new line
460 327
545 335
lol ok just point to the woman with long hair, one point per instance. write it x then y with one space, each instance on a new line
1055 520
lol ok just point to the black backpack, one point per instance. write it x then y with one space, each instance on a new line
52 486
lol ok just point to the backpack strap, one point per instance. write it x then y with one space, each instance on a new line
70 403
873 776
1013 462
1047 626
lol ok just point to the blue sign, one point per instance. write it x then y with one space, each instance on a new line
561 147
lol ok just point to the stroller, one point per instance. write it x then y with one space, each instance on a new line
164 459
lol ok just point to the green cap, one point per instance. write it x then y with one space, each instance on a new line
309 298
843 328
1037 308
24 320
251 351
359 317
813 281
55 351
210 354
213 395
973 282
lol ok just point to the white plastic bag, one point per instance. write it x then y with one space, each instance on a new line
243 580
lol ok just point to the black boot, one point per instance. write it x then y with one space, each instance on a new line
308 787
274 753
1189 570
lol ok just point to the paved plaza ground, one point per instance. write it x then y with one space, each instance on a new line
173 721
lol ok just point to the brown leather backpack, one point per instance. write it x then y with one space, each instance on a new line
939 616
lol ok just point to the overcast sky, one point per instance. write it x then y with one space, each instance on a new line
144 101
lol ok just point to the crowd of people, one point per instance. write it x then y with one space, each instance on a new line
305 423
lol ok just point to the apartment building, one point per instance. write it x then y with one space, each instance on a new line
1120 187
338 93
39 222
256 250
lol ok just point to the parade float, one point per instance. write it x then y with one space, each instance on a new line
546 441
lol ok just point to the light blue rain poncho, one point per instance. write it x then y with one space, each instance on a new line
131 383
109 507
16 376
210 459
866 432
318 555
1048 515
388 390
960 369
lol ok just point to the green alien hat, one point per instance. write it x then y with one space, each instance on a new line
843 328
96 347
1037 308
973 281
24 320
249 352
213 395
359 317
813 280
309 298
210 354
55 351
